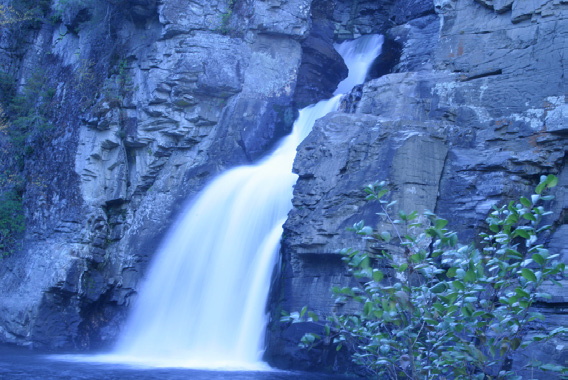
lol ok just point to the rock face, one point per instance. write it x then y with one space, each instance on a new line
471 115
149 99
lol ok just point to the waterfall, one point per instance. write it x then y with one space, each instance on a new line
203 304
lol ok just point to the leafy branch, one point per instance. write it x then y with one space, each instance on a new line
437 308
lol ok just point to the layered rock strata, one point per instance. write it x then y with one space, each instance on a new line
151 99
472 114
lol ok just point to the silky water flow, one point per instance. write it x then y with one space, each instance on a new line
203 303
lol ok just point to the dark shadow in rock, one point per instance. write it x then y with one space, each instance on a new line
322 67
387 60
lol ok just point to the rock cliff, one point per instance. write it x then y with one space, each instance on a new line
150 99
471 115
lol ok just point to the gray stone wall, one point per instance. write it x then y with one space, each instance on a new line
152 99
473 113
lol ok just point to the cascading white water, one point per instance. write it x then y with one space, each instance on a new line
203 303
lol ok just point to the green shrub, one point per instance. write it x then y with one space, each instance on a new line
226 18
432 308
23 125
23 13
12 221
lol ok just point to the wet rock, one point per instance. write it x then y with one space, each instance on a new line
322 67
386 62
404 11
470 116
153 99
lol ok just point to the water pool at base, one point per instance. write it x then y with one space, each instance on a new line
18 363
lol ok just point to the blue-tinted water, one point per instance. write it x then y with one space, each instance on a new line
16 363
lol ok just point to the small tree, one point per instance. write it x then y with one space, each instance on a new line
445 310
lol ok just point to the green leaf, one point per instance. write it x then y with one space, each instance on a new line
452 309
551 367
537 257
521 293
460 273
504 349
377 275
440 223
559 330
452 272
413 215
458 285
402 267
528 274
512 218
304 309
365 262
552 180
539 337
535 315
365 231
522 233
466 311
310 338
368 308
470 276
437 253
357 226
439 288
386 236
514 253
416 258
529 216
526 202
548 181
515 343
453 239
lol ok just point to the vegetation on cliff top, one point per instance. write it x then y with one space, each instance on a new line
432 308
